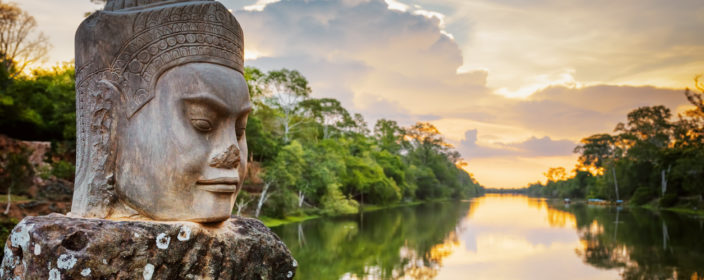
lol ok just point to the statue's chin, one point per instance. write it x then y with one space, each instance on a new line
214 211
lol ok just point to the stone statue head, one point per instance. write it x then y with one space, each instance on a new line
162 106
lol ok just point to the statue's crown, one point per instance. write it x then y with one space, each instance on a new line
133 42
116 5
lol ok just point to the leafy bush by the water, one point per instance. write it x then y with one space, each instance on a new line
643 195
281 204
334 203
668 200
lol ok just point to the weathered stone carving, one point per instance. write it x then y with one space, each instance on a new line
58 247
162 105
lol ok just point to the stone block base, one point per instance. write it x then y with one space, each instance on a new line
60 247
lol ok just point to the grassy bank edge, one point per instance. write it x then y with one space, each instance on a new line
275 222
650 206
676 209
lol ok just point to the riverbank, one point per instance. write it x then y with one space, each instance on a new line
677 209
275 222
653 206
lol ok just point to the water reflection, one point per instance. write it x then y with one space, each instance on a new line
641 244
391 244
516 237
499 237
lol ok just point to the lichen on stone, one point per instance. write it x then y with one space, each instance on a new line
162 241
148 271
66 261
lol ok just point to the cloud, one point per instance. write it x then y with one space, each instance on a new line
579 112
542 147
531 147
632 42
404 56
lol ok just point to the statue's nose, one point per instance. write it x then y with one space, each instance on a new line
228 158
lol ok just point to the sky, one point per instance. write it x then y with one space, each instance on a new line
512 84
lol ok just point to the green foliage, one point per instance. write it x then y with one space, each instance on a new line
63 169
16 172
335 203
318 155
41 106
643 195
668 200
282 203
6 226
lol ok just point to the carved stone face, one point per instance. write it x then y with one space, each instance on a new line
183 156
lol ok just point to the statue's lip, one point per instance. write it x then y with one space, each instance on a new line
221 185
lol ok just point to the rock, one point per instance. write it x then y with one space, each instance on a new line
60 247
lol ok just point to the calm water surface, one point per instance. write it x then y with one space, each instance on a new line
499 237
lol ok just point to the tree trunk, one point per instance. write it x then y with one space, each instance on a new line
613 171
301 235
663 176
7 209
262 199
301 196
241 205
663 182
618 210
665 235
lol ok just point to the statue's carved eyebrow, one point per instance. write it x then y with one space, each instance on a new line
217 104
211 101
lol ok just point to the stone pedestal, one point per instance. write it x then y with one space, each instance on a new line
60 247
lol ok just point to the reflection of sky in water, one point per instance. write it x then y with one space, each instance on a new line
515 237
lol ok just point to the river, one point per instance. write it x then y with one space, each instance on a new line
499 237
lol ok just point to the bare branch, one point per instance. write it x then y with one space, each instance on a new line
20 45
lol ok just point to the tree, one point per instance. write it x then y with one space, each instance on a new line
285 172
598 150
648 135
15 172
40 106
19 46
328 112
426 139
388 135
555 174
285 90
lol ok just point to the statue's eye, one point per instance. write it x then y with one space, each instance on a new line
202 125
241 126
240 132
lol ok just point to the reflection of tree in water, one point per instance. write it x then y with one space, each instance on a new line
407 242
645 245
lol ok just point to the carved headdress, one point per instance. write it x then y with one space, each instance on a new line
120 53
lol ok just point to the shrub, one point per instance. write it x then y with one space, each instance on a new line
15 171
335 203
668 200
643 195
63 169
282 203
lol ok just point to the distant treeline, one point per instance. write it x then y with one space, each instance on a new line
652 157
311 154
